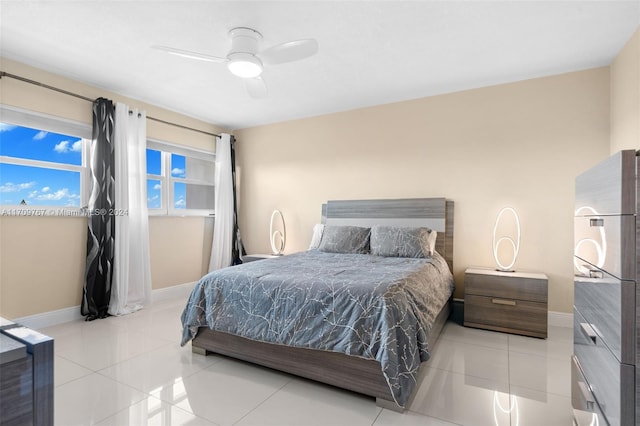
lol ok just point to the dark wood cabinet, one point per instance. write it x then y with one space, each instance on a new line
16 398
26 376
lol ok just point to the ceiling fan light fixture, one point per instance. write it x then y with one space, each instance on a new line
244 65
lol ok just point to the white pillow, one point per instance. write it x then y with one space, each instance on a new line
318 229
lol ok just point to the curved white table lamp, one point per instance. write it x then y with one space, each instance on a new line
276 238
515 245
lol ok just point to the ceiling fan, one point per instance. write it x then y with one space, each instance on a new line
245 60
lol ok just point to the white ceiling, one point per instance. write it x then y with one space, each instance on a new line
371 52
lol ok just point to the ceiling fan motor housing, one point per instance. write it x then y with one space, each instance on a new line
242 59
244 40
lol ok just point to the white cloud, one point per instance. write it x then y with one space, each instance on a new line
67 146
55 196
13 187
177 172
40 135
62 147
181 203
60 194
155 197
157 186
6 127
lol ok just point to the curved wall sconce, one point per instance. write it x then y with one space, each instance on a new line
515 245
276 238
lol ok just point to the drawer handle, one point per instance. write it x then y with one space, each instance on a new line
503 302
588 330
596 222
594 273
586 395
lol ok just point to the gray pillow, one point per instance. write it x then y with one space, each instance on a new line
396 241
345 239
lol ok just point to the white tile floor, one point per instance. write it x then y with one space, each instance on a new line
131 371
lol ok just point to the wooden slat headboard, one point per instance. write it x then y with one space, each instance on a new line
433 213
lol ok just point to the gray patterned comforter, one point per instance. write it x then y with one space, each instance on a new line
375 307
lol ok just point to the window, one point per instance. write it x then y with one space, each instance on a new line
44 168
180 181
42 162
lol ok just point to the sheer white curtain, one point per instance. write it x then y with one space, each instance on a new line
131 288
223 226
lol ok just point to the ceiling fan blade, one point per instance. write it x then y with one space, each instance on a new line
289 51
256 87
189 54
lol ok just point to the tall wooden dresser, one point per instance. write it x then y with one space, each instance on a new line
606 364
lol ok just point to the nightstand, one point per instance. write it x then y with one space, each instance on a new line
512 302
253 257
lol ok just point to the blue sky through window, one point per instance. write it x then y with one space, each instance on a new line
154 194
154 186
178 169
39 186
44 186
180 195
154 162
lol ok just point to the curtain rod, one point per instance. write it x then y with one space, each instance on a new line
75 95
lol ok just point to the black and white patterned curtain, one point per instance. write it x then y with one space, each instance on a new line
237 251
101 223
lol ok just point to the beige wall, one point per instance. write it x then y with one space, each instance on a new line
180 248
625 97
42 259
519 144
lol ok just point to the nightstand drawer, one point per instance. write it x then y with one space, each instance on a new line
506 285
506 314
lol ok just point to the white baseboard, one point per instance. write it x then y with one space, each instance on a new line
51 318
47 319
175 291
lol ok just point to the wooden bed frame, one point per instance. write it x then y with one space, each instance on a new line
348 372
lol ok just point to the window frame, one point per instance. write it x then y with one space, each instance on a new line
40 121
167 206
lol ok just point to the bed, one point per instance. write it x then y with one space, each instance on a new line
348 318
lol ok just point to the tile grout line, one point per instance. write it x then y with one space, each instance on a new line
378 416
264 401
